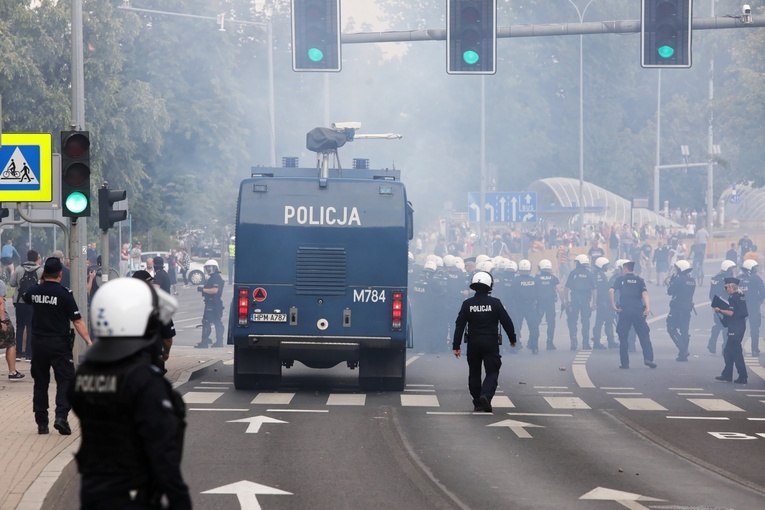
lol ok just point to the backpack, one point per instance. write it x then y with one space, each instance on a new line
27 281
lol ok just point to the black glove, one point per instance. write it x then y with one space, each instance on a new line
200 288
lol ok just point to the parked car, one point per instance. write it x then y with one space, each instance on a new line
196 274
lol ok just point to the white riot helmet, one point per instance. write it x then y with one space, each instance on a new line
497 261
482 280
619 263
749 264
126 315
460 265
431 257
411 256
601 263
545 265
512 266
211 266
481 258
524 266
582 260
486 265
727 265
439 261
449 260
430 265
682 266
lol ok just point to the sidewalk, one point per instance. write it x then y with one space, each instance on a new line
30 463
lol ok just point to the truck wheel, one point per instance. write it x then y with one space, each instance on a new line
382 370
256 369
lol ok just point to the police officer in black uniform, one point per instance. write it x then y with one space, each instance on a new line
212 292
506 290
716 288
734 318
482 314
604 315
527 301
753 288
581 295
548 289
54 308
633 308
681 287
132 421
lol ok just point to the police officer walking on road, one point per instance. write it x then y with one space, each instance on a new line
633 308
681 287
53 308
549 288
526 300
212 292
581 296
734 318
132 421
604 315
482 314
753 288
716 288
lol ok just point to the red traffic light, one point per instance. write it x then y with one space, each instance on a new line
76 145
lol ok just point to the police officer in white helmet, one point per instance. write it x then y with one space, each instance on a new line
481 315
131 419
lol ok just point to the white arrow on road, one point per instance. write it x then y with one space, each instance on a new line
626 499
247 492
516 426
255 422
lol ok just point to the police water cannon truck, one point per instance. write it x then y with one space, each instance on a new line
321 270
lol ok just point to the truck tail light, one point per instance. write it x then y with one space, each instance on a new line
397 312
243 306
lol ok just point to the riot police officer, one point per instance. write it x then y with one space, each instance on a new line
527 299
132 421
482 314
548 289
506 290
424 306
681 287
716 288
734 318
633 308
604 316
752 286
580 300
212 292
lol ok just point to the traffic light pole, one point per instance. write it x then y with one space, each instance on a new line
551 29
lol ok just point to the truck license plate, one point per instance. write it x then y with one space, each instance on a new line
269 317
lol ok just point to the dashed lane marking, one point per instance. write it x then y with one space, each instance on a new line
714 404
273 398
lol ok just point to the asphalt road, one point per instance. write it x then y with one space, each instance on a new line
569 430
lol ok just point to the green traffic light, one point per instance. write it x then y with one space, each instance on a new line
470 57
666 51
315 55
76 202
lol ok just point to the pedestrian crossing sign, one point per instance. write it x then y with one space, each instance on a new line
25 168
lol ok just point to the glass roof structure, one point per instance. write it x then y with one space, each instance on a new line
558 200
743 203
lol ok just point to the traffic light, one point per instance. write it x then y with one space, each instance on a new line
4 212
316 35
665 33
107 215
75 173
471 36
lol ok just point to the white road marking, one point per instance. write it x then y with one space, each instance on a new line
566 403
297 410
723 418
413 359
216 383
198 397
686 389
622 393
273 398
695 394
540 414
214 409
616 388
339 399
714 404
210 388
556 392
641 404
581 377
502 402
419 401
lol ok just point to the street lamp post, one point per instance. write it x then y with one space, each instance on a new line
581 116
